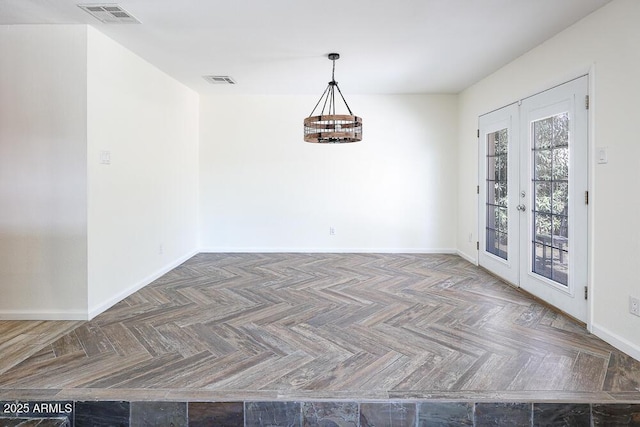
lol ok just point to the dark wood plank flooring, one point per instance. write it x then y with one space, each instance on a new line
301 326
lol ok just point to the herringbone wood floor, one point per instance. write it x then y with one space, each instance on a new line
314 326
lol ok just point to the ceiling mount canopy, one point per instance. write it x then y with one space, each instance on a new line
329 127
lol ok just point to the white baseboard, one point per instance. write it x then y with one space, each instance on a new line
103 306
42 315
329 250
622 344
469 258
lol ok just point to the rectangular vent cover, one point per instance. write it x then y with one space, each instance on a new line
220 80
109 13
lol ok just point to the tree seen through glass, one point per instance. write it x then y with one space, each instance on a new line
497 194
550 243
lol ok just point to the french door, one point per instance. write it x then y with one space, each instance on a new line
532 199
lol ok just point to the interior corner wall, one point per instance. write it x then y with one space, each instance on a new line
143 206
605 42
262 188
43 183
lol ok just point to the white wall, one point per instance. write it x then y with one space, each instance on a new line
143 207
43 245
605 42
262 188
77 236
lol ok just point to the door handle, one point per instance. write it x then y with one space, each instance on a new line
521 208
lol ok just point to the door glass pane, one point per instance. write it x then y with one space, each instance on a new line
497 215
550 243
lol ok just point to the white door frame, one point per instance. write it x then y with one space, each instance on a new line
496 264
570 98
504 118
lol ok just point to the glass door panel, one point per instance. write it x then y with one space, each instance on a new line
498 229
553 176
550 244
497 192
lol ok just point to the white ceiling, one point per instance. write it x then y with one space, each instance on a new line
280 46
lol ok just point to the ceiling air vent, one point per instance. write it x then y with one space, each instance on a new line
220 80
109 13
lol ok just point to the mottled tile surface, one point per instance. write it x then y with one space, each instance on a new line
615 415
336 413
502 414
37 409
390 414
259 327
210 414
623 373
153 414
445 414
272 414
34 422
330 414
561 414
36 413
102 414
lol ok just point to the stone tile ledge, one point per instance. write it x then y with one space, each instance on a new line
313 413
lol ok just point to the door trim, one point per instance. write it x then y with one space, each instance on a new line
581 72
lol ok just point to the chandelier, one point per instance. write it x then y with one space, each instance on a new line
330 127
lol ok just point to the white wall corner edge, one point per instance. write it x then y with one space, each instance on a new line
329 250
94 311
622 344
471 259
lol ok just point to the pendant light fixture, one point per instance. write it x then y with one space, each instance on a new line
329 127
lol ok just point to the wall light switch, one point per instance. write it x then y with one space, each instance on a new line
105 157
601 154
634 306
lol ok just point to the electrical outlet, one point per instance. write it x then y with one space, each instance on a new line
634 306
332 231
